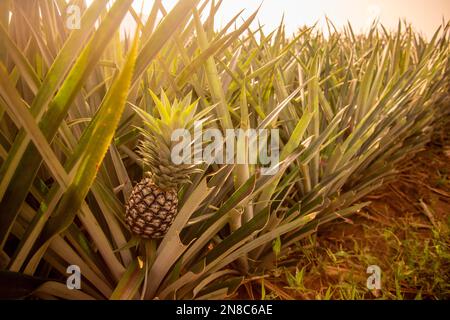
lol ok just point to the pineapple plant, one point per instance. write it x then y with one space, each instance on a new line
153 203
348 109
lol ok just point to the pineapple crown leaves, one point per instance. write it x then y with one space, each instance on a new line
155 147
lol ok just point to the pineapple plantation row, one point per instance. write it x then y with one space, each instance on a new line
87 116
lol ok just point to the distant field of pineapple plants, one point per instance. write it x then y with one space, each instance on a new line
88 179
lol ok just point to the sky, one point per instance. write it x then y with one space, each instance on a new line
424 15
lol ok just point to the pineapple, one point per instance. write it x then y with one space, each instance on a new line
153 203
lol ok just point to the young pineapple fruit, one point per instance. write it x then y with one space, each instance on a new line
153 203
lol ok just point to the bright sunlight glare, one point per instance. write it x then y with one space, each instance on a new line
424 15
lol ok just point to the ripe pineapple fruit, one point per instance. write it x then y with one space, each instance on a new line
150 210
153 203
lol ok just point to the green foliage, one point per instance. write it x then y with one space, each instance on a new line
348 107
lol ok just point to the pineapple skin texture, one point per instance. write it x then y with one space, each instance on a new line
150 210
